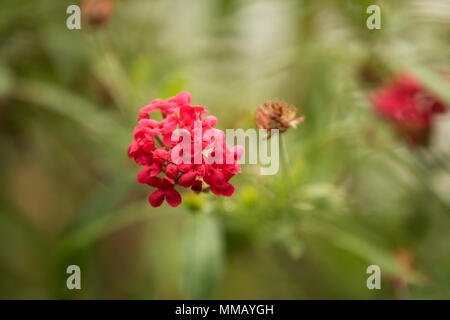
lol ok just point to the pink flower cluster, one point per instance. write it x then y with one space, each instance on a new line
199 168
409 106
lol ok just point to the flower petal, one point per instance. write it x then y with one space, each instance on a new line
156 198
172 171
155 169
227 189
181 98
133 148
197 186
144 175
154 182
173 197
209 121
238 152
187 179
160 155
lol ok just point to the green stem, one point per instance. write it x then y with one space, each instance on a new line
285 163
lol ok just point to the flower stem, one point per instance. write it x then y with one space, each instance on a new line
161 143
285 163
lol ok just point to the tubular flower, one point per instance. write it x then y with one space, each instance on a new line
277 115
409 107
184 149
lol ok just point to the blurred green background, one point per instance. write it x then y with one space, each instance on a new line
354 195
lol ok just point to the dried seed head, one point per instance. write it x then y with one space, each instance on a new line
277 115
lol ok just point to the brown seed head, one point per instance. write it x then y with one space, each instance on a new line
277 115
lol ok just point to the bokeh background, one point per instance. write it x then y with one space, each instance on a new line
354 194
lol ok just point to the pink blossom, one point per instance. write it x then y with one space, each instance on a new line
206 160
409 107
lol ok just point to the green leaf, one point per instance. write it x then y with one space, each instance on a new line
68 104
96 217
369 251
204 257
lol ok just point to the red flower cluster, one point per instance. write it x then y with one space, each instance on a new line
409 106
199 165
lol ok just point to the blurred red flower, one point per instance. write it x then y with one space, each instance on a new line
409 106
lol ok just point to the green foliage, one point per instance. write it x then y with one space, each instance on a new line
203 258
